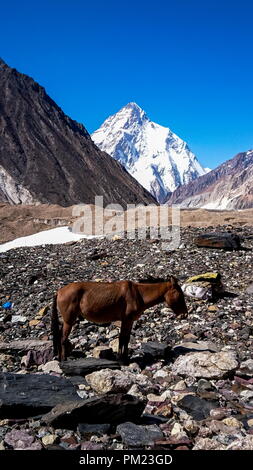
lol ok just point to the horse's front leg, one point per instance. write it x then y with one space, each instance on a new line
124 338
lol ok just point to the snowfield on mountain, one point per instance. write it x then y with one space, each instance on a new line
153 154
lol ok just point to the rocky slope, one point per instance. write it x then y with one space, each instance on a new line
189 383
229 186
47 157
153 154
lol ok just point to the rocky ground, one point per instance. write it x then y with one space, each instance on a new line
189 384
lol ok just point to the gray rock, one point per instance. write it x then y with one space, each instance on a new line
205 443
108 381
51 366
136 436
24 345
87 430
219 413
87 445
249 289
87 366
245 443
204 385
186 347
246 368
20 439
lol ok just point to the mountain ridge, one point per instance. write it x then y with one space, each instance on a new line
47 157
229 186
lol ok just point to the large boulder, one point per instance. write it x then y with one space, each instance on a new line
218 240
206 364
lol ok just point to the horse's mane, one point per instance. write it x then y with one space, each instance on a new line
152 280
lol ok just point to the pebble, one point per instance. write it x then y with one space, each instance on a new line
233 422
18 319
49 439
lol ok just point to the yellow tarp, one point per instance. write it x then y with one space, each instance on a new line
211 277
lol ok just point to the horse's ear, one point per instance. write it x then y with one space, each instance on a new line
173 281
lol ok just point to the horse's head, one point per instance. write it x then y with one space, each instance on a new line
174 298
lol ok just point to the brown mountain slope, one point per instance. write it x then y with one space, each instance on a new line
229 186
47 157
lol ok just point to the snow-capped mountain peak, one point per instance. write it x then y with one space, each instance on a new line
153 154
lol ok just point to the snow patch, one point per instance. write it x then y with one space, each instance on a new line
53 236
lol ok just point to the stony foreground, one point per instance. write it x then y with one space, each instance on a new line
189 384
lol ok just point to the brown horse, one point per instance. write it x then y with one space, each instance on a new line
105 302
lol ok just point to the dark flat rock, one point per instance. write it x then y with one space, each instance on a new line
111 408
218 240
173 442
155 350
88 430
33 394
88 365
197 407
152 419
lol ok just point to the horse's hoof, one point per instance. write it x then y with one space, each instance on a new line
123 361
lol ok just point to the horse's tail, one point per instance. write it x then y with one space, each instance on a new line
55 329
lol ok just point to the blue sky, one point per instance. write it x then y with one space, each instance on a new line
188 63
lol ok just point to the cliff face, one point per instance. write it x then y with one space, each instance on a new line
229 186
47 157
